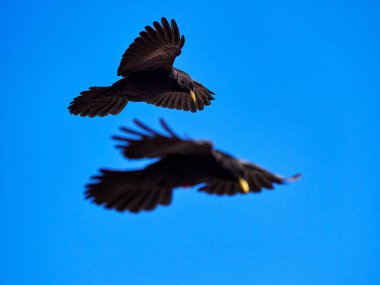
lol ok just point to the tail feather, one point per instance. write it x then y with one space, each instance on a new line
99 101
127 190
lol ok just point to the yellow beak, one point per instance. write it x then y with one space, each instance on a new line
192 95
244 185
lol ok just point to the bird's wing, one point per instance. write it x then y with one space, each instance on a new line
175 100
127 190
155 49
150 144
256 177
259 178
182 101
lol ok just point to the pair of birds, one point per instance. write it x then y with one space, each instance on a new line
149 76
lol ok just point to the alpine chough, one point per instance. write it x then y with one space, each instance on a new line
181 162
148 76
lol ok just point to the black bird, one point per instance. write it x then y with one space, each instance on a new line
181 162
148 76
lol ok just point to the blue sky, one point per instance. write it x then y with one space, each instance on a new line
297 86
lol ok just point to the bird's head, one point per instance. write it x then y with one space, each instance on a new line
192 92
186 83
240 177
188 86
233 168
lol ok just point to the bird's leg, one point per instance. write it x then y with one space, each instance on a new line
244 185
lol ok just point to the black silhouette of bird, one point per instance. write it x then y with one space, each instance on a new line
148 76
181 162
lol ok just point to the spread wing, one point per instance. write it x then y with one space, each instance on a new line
127 190
150 144
182 101
256 177
155 49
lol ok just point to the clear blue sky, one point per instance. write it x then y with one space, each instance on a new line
297 86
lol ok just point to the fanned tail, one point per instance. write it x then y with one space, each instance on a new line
99 101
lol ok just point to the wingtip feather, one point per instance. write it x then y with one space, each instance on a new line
293 178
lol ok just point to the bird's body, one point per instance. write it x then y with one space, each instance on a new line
148 76
176 170
181 163
142 86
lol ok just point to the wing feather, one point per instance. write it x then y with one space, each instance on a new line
256 176
154 49
175 30
181 100
150 143
127 190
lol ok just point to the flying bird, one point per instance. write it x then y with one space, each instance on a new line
180 163
148 76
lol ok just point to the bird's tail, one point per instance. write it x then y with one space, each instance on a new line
99 101
127 190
